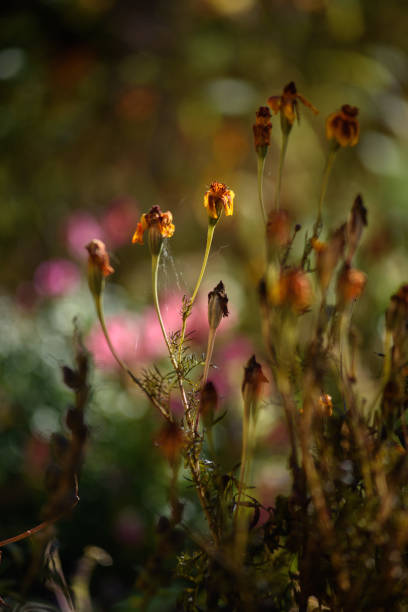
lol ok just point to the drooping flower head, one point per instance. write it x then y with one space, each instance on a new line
287 105
98 266
342 126
217 305
262 130
254 378
217 199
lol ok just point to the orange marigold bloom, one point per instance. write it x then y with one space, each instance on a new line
155 217
287 103
343 127
262 130
219 197
98 257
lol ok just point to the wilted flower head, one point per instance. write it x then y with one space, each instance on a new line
253 379
217 198
343 127
292 289
355 225
208 403
287 104
171 440
217 305
98 266
350 284
98 256
160 225
262 130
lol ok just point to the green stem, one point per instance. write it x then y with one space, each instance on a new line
155 269
101 317
261 166
210 348
285 140
210 234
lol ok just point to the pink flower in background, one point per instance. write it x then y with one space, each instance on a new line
124 332
81 228
56 277
118 221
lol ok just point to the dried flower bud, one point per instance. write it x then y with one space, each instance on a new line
208 403
217 305
350 284
171 440
396 316
278 228
342 127
262 130
328 255
253 380
355 225
98 266
292 289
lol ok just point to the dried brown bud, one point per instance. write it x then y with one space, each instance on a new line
208 403
262 130
253 380
328 255
350 284
217 305
396 316
98 266
171 440
342 127
355 225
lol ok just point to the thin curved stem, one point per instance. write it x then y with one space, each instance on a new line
261 167
125 368
210 234
284 146
155 268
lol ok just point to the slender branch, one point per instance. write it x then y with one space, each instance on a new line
282 156
261 166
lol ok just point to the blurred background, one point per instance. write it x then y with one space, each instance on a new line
108 107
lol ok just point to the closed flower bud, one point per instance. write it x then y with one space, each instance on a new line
208 403
98 266
292 289
217 305
254 378
350 284
355 225
171 441
262 130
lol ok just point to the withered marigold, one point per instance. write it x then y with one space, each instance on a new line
262 130
293 290
98 257
287 103
350 284
254 378
163 221
217 198
343 127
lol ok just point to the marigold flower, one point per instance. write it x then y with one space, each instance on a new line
355 225
155 217
350 284
287 103
262 130
343 127
98 256
217 198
